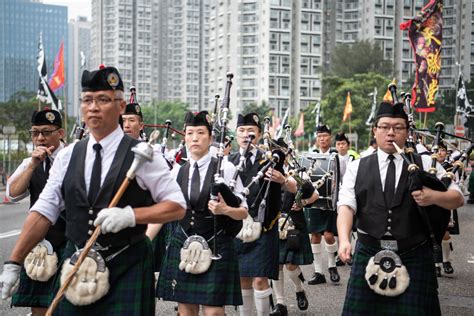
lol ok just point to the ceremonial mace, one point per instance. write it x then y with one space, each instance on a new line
143 152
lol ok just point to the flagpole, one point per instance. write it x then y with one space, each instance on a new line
350 120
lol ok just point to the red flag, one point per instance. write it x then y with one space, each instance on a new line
57 79
347 108
300 130
425 34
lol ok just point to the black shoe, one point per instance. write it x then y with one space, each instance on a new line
302 301
438 272
333 275
279 310
317 278
339 262
349 262
448 268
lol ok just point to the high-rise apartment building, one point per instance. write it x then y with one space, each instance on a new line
78 59
121 36
21 22
182 52
274 48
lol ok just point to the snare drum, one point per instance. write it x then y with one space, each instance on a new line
325 171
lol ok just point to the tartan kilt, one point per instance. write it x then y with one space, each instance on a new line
301 257
455 229
35 293
420 298
218 286
320 221
131 281
259 258
159 248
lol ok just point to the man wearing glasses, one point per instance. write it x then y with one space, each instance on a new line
29 179
117 278
393 268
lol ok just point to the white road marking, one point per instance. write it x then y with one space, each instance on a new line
10 234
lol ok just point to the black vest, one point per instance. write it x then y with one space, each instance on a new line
80 215
246 177
38 180
401 219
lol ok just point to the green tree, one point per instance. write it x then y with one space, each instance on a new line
262 110
359 58
165 110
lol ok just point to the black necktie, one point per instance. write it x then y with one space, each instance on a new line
95 175
389 190
47 166
195 186
248 161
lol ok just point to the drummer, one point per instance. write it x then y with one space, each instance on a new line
323 222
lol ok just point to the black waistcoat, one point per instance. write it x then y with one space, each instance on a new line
38 180
246 176
198 220
401 219
80 215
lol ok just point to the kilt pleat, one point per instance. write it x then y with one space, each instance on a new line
420 298
259 258
219 286
320 221
35 293
131 281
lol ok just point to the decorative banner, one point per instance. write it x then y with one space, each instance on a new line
462 102
425 34
57 79
300 130
347 108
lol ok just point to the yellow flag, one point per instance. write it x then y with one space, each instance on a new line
347 108
388 96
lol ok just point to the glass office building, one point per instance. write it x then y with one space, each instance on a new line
21 22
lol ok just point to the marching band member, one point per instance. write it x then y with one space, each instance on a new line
400 277
133 120
29 179
83 179
258 259
372 148
323 222
453 228
200 280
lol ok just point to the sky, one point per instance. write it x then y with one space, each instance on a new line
75 7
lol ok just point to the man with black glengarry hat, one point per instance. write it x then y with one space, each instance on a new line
393 268
29 179
83 180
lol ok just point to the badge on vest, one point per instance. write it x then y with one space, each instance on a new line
250 231
195 255
91 281
386 275
42 262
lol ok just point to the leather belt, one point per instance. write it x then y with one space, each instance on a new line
391 243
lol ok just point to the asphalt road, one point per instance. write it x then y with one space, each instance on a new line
456 292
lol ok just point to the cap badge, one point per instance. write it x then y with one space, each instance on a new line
113 80
50 116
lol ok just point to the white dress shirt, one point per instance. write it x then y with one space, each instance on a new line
347 192
153 176
24 164
229 170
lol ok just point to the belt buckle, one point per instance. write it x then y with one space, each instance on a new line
389 244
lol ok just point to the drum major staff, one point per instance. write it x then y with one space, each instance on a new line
83 179
393 245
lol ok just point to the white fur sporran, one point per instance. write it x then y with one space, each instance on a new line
195 255
42 262
386 275
91 281
284 225
250 231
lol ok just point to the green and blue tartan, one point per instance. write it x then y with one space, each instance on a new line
259 258
35 293
320 221
301 257
131 281
420 298
218 286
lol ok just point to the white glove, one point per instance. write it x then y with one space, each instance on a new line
112 220
9 279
